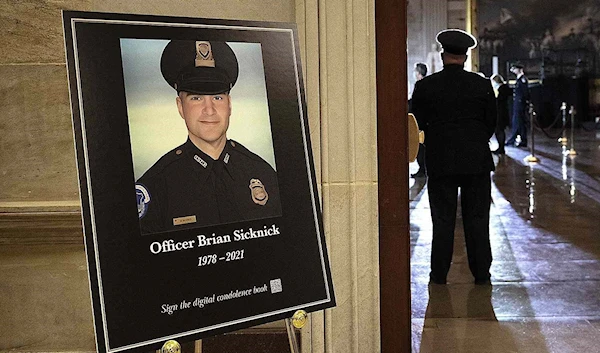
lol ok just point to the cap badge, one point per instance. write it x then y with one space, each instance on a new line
258 191
143 199
204 55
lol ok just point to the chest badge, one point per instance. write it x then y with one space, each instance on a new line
258 192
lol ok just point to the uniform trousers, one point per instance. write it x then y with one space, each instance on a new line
475 198
519 125
421 160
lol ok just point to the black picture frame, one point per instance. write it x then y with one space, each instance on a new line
142 297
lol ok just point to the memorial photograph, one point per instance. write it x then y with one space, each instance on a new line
183 137
199 198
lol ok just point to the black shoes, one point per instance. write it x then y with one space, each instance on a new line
435 280
520 144
499 151
483 282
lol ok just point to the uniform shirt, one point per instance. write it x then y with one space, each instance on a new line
457 111
186 188
521 92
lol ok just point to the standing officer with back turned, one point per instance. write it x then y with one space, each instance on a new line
457 111
210 179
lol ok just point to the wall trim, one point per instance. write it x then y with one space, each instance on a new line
40 223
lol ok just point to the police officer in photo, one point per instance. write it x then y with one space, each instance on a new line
521 97
457 111
210 179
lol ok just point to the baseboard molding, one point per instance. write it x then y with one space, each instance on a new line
40 223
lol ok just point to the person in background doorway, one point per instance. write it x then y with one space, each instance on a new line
503 93
521 98
420 72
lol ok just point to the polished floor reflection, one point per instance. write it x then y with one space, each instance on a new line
545 234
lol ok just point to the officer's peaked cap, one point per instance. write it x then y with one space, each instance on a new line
517 65
202 67
456 41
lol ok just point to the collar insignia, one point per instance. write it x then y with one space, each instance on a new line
201 161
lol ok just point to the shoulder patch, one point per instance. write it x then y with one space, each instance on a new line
523 79
143 199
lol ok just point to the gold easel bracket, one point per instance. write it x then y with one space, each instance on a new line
299 319
532 159
171 346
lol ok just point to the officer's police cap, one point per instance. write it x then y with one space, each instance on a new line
517 65
456 41
202 67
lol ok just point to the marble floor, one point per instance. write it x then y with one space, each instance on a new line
545 235
545 293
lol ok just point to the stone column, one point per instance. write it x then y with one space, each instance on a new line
338 52
435 19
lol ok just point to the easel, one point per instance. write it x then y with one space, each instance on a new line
297 321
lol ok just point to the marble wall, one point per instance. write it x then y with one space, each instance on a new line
341 96
37 158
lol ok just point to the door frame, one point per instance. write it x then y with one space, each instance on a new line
392 166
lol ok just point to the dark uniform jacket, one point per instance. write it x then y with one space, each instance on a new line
457 111
504 95
521 93
186 188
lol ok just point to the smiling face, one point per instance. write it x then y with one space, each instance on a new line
206 118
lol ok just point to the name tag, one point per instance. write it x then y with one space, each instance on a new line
184 220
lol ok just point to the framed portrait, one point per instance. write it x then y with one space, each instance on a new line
199 199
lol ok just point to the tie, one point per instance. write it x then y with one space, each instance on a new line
228 211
